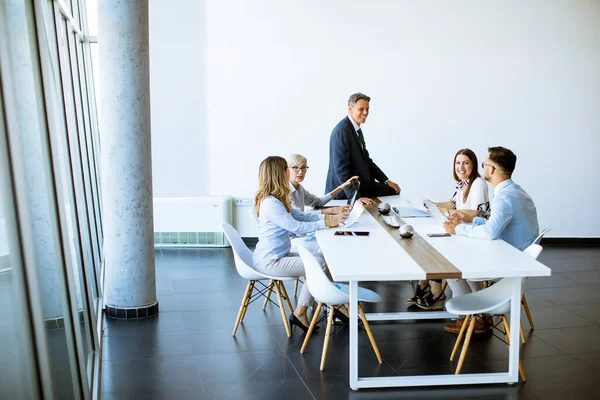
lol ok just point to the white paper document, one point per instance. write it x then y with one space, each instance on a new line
357 210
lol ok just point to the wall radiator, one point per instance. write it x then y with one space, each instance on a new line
191 221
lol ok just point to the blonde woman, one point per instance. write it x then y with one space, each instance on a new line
301 197
276 220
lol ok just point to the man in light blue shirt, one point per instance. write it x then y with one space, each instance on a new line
513 216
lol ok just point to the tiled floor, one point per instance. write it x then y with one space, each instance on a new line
187 352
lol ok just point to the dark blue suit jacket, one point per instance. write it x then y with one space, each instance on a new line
347 159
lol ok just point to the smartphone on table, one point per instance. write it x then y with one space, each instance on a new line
351 233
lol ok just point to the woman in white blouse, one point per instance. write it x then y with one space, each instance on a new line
276 220
470 196
301 197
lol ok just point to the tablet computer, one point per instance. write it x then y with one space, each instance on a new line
354 190
435 211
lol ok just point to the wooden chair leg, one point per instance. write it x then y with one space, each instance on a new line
243 306
369 334
248 301
463 353
463 328
327 334
527 312
268 295
311 327
296 287
282 310
444 285
507 336
287 298
522 334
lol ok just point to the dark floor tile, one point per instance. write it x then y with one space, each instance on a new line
180 393
150 373
571 264
240 367
163 286
555 280
426 354
289 389
221 341
554 317
203 271
560 377
225 319
337 362
591 359
586 278
148 345
572 340
563 296
588 311
209 285
496 350
569 252
167 303
164 322
211 301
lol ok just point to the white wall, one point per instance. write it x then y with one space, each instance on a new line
442 75
178 97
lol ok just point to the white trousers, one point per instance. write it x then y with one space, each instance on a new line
463 286
291 266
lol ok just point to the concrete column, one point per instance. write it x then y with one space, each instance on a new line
126 176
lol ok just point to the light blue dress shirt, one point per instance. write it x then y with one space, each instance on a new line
275 224
513 218
301 197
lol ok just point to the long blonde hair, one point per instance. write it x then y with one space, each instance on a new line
272 181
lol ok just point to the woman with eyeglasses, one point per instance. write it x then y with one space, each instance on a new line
277 219
470 196
301 197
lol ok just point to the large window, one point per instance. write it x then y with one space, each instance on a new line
51 238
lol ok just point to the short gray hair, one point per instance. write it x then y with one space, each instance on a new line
295 159
356 97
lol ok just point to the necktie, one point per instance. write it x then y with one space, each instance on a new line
361 139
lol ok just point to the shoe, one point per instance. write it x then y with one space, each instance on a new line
419 293
296 321
341 316
480 326
430 303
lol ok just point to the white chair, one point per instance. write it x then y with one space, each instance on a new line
243 262
494 300
332 295
537 240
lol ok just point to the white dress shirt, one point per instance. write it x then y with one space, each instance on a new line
478 198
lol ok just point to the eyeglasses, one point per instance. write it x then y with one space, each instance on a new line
298 169
483 164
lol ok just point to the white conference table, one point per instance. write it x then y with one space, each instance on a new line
379 257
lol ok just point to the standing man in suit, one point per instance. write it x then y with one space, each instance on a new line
348 156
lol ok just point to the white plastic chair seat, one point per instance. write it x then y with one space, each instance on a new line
364 294
492 300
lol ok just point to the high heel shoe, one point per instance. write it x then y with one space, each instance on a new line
341 316
296 321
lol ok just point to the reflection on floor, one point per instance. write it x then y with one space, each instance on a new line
187 352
